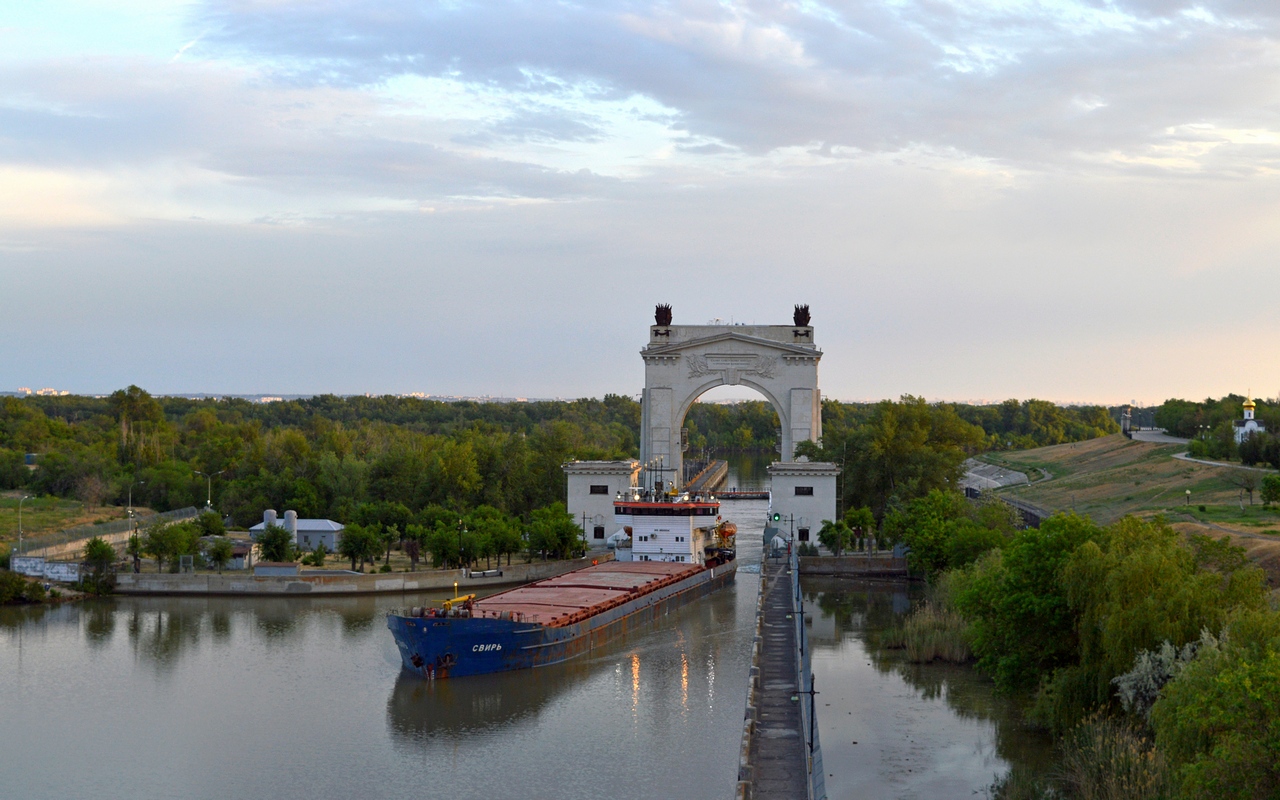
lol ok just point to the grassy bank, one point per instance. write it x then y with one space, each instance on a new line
43 515
1110 477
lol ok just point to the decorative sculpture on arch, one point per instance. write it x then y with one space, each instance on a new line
662 314
801 316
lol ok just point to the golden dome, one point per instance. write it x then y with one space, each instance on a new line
1250 404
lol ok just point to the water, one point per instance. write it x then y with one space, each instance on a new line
747 471
305 698
921 730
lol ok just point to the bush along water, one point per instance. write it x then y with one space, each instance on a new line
1151 655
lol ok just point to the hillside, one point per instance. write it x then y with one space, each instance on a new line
1110 477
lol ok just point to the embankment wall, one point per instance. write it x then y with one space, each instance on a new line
861 566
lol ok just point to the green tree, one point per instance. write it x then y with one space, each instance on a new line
1134 587
1021 623
835 536
220 554
1216 721
552 532
275 544
360 544
1271 489
210 524
862 522
166 541
499 533
135 549
100 557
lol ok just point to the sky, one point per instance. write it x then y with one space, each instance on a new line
978 199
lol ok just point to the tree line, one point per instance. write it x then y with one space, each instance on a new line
332 457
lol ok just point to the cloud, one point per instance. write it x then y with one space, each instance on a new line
1001 80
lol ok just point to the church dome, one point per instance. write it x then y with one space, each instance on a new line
1250 404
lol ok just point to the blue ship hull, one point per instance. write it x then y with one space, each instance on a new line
457 646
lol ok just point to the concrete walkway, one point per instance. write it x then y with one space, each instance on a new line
983 476
779 756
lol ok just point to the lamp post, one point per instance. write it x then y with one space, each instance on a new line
24 499
133 526
208 500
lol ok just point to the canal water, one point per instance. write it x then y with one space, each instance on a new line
899 731
305 698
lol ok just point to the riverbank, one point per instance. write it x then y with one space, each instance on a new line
330 583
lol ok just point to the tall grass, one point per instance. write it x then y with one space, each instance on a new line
934 632
1021 783
1103 759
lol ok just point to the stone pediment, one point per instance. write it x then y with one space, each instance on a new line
751 344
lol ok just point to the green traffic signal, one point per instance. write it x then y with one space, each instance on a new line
776 516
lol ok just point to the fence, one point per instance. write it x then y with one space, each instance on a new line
68 542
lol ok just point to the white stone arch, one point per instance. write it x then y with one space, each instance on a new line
683 362
765 394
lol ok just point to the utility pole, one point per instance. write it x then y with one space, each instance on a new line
24 499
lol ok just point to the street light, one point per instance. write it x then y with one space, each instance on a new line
24 499
208 500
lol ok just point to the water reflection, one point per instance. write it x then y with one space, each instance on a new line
891 728
420 710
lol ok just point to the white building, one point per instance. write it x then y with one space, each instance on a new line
803 493
1248 426
308 534
592 486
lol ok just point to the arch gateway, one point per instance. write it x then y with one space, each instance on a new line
683 362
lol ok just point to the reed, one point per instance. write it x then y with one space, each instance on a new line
1103 759
934 632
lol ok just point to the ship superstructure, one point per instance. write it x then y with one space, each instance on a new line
672 527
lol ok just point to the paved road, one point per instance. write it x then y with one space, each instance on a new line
1227 464
983 476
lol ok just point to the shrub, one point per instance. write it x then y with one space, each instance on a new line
12 585
34 592
1216 720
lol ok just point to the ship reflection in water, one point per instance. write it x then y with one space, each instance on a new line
420 710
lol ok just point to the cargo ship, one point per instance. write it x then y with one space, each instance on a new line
680 550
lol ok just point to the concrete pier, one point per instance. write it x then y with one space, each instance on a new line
780 753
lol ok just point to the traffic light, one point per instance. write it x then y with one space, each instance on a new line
777 517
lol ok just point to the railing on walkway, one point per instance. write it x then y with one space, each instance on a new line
804 668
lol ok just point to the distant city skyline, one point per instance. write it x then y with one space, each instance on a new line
977 199
715 396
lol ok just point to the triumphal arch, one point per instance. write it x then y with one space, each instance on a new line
682 362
